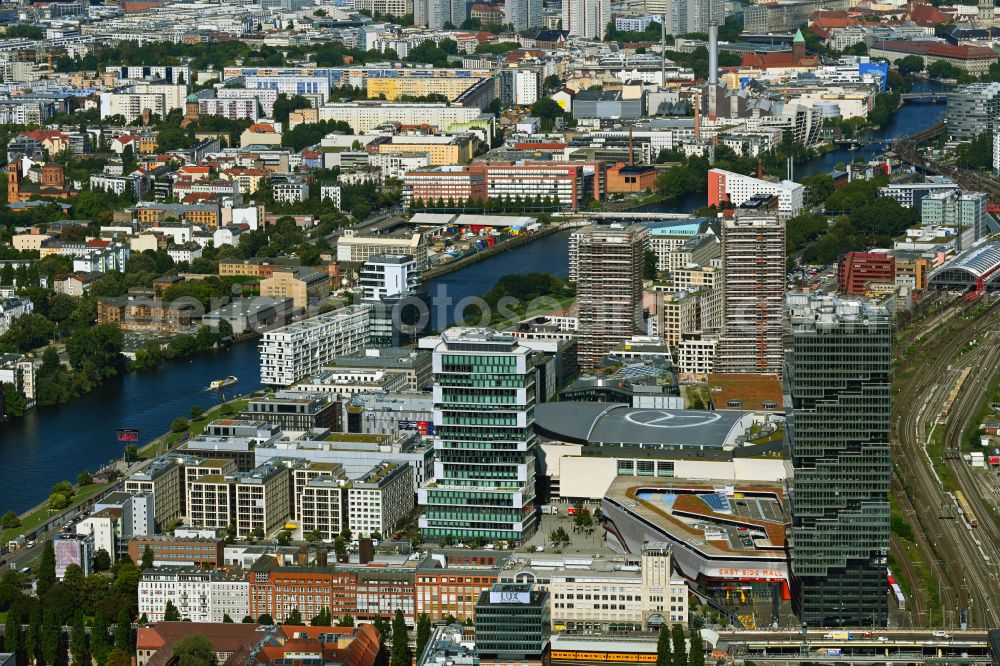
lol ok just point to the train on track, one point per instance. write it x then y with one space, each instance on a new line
619 657
946 410
963 505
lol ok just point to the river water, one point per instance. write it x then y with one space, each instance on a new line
52 444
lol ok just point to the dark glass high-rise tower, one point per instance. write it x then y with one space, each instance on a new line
838 399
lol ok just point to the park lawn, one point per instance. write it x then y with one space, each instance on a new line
36 518
196 427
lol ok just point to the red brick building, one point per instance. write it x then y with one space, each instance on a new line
179 550
857 270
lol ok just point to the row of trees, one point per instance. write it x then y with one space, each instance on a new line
99 609
672 648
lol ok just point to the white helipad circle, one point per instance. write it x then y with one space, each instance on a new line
657 418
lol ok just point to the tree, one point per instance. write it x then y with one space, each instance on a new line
102 560
170 613
247 620
51 637
284 106
226 619
547 110
323 619
123 631
78 640
14 403
197 411
649 265
381 625
663 651
678 645
9 520
346 621
910 65
697 652
147 558
294 618
46 573
99 636
12 633
84 478
423 632
179 425
119 658
194 650
400 641
131 452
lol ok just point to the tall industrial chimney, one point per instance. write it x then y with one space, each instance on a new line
713 53
663 51
713 69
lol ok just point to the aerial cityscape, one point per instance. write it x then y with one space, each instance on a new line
499 332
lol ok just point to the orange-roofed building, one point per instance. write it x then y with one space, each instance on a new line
346 646
260 134
252 644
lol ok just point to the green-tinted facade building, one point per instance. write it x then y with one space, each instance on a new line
483 484
838 402
512 622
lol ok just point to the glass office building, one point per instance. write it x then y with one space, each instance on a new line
483 484
512 622
838 400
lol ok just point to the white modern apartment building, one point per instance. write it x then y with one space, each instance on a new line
381 498
307 86
586 18
737 188
233 109
355 248
103 529
587 593
131 105
365 116
263 96
291 353
395 165
696 354
199 596
385 275
331 193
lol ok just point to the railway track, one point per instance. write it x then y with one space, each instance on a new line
984 368
947 548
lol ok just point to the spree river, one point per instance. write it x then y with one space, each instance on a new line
52 444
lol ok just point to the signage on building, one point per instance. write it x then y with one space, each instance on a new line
425 428
744 573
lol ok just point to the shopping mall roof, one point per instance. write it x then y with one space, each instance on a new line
616 423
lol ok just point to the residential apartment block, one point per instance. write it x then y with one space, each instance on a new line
291 353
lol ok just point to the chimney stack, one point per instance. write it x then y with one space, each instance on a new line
713 54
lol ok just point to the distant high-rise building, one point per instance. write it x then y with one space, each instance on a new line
965 211
753 268
398 307
683 16
840 404
483 484
586 18
972 110
608 274
523 14
436 13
